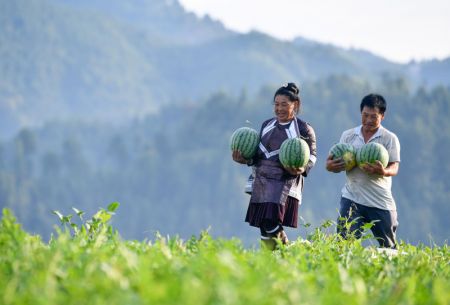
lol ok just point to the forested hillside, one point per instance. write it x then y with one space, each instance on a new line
114 60
172 171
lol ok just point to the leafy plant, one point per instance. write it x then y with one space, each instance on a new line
205 270
98 223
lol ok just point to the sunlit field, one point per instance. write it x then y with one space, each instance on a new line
87 262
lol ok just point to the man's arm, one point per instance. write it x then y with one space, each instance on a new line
377 169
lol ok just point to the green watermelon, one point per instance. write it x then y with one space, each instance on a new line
371 152
346 152
246 141
294 152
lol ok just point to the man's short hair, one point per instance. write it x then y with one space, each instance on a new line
374 101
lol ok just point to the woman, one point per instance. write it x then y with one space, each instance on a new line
277 191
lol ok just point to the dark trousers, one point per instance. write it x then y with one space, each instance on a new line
356 215
270 228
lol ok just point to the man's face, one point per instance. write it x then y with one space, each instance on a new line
371 119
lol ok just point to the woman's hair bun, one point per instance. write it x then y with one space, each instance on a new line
292 87
290 90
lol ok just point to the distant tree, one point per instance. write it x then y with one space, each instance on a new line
25 145
118 151
2 157
51 164
73 158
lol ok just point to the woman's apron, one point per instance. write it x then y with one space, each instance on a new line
272 183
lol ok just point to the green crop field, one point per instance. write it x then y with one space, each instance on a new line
89 263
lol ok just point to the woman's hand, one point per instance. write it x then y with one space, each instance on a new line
295 171
237 157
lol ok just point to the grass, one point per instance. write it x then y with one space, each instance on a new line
89 263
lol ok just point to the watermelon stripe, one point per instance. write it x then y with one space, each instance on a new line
369 153
245 142
294 153
339 151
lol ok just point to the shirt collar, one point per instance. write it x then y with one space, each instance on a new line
358 132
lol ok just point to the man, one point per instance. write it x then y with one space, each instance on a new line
367 196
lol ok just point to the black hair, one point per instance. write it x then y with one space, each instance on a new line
374 100
290 90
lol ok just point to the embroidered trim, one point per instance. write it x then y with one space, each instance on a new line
291 133
269 127
266 153
274 230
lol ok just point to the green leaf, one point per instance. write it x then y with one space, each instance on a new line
75 228
66 219
101 216
367 226
57 213
78 212
113 206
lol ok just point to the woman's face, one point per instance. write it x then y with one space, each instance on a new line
284 109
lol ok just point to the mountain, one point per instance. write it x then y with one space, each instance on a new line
114 60
430 73
349 61
58 62
163 20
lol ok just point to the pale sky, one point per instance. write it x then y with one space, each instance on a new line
399 30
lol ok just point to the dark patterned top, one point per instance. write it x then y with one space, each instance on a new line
273 134
272 182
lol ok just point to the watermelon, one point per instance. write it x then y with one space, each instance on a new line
294 152
370 153
246 141
346 152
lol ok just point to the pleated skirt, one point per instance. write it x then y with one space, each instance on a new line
286 215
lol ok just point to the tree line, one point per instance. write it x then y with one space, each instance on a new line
172 171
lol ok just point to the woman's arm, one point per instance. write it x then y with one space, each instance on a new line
310 138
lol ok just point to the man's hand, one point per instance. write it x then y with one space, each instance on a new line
335 165
237 157
295 171
377 168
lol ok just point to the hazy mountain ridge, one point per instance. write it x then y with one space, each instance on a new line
114 60
166 20
430 72
49 64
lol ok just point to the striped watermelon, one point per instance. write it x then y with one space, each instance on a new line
371 152
294 153
346 152
246 141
